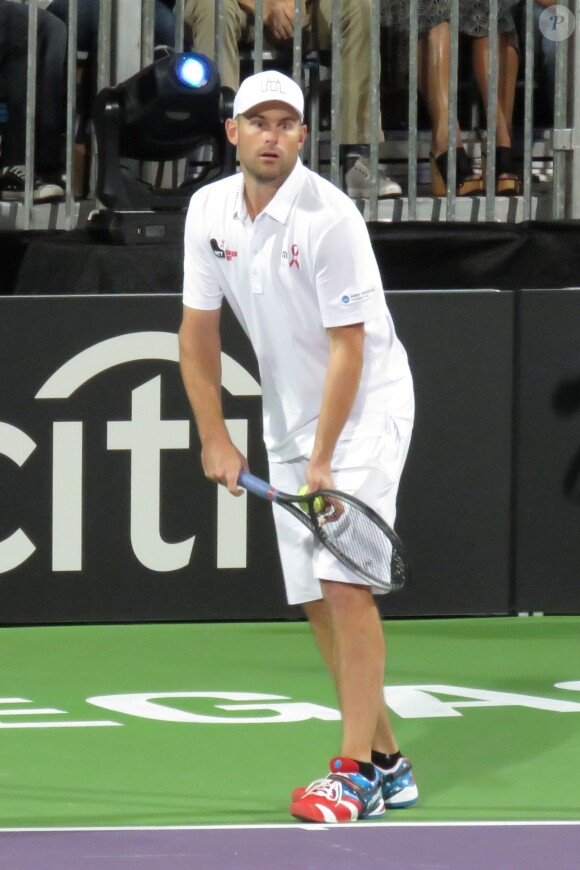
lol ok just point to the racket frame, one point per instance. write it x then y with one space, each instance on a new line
310 519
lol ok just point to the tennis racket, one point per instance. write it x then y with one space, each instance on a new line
350 529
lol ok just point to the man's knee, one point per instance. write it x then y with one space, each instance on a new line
202 13
52 41
354 13
316 611
51 28
359 9
342 595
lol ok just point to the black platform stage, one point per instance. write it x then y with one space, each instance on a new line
412 256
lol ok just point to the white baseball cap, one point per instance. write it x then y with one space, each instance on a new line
265 87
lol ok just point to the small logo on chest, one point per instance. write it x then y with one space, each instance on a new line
221 251
293 256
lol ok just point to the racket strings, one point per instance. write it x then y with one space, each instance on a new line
356 536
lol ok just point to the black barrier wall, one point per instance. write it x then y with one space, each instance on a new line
547 530
454 502
105 514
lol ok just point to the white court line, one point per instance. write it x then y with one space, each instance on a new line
312 827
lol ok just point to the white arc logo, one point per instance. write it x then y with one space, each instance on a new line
145 435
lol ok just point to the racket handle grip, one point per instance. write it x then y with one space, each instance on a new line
257 486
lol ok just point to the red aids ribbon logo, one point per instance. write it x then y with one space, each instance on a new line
295 252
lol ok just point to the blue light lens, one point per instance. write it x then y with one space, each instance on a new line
193 72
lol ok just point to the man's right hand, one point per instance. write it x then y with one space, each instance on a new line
279 18
222 463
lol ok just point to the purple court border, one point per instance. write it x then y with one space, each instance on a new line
406 846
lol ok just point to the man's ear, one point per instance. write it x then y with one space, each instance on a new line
232 131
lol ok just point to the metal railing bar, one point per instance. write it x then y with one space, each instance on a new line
491 113
71 90
219 30
104 73
560 122
574 176
297 42
528 109
452 113
413 140
375 116
31 71
178 12
259 36
335 75
147 32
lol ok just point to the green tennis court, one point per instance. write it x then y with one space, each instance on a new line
214 724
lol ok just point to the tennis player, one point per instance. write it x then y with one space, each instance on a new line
292 256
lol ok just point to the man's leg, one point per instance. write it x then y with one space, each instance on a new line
13 46
359 661
345 609
397 782
51 93
355 75
384 460
200 15
51 82
351 640
164 24
355 37
319 617
87 41
50 105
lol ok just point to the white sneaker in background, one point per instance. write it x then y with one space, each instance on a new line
12 184
357 181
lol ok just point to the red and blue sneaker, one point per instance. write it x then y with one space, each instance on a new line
345 795
398 785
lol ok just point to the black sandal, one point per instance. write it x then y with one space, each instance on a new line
507 181
467 182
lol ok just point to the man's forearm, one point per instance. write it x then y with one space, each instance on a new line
200 360
200 363
340 389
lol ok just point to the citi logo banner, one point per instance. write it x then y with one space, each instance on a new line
144 436
104 509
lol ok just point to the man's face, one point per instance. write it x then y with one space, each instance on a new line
269 138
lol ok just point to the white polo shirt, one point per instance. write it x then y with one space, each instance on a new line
306 263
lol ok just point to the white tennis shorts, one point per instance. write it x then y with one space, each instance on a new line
369 468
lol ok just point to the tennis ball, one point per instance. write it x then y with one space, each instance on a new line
318 503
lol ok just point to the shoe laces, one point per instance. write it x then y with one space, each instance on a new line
401 768
328 788
18 171
361 166
315 785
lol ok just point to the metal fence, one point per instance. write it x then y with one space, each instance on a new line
126 44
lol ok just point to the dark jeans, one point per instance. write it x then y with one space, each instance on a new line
51 86
87 40
88 22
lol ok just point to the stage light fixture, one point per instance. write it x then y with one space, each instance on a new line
192 71
162 113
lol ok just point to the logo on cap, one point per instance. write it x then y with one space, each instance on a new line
273 85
